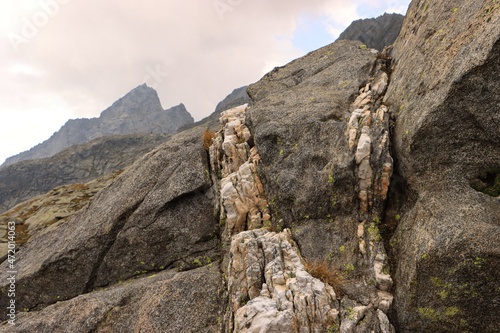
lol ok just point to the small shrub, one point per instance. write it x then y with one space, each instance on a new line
208 135
321 270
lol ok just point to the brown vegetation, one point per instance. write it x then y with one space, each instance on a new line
208 135
321 270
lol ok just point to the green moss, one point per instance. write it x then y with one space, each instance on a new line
479 262
344 84
443 294
427 313
342 248
349 267
451 311
363 47
334 329
424 256
425 7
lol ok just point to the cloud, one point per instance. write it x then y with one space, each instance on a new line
87 54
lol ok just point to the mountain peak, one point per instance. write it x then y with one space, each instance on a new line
138 111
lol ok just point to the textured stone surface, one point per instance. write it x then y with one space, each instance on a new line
270 291
163 302
242 202
77 164
139 111
325 156
157 214
375 33
443 93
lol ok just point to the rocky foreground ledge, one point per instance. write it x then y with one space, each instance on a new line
340 201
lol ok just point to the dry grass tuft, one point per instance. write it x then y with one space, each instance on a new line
208 135
321 270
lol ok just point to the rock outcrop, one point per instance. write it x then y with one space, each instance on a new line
139 111
77 164
443 93
375 33
340 201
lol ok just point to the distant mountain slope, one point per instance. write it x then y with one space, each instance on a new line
375 33
236 98
139 111
79 163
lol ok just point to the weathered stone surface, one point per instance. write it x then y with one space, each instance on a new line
298 121
270 291
77 164
324 158
443 93
375 33
242 202
164 302
157 214
139 111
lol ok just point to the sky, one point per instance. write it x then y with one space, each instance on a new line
66 59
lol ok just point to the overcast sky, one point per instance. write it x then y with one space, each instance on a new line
63 59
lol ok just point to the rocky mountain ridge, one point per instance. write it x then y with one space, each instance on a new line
375 33
77 164
139 111
340 201
81 163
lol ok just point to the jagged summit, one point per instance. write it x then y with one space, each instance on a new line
375 33
140 100
139 111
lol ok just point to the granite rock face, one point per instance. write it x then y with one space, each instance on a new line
77 164
158 214
340 201
139 111
165 302
375 33
443 93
